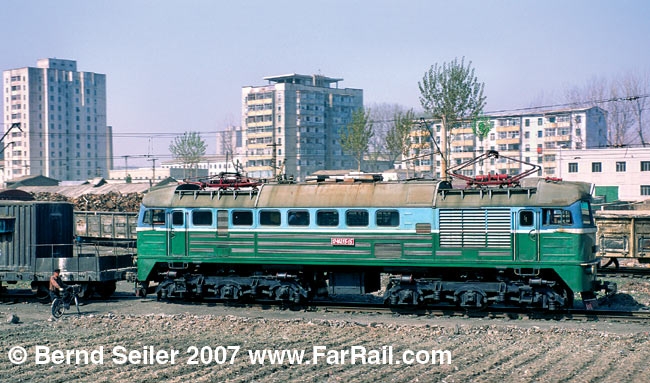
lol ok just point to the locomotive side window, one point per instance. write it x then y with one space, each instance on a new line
387 218
242 218
202 218
587 219
356 218
178 218
526 218
327 218
270 218
154 217
556 217
298 218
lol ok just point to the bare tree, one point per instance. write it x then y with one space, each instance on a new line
620 113
228 146
381 115
398 138
634 87
355 137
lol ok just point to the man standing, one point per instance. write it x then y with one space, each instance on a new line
56 284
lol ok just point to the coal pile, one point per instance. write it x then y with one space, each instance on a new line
98 202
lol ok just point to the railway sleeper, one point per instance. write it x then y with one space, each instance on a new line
281 287
535 293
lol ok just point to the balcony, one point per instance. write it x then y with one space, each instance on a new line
260 134
462 143
512 128
507 141
566 137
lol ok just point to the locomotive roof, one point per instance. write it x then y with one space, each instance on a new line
534 192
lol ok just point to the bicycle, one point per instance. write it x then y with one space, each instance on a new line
60 304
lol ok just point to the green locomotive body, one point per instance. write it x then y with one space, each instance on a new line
532 246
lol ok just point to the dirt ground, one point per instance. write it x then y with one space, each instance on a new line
483 350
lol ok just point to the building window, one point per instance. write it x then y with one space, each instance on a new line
620 166
539 134
645 189
573 167
527 122
596 167
540 121
645 166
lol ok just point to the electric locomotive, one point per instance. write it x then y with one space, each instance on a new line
532 245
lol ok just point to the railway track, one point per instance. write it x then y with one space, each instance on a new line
642 316
494 313
635 272
450 311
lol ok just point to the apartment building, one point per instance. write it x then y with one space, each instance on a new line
291 125
57 117
617 173
536 137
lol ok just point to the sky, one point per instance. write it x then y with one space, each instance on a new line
175 66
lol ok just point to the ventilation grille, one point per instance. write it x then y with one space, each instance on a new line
478 228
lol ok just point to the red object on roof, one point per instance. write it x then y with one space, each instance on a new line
225 181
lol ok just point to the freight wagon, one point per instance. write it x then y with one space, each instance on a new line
624 234
37 237
112 228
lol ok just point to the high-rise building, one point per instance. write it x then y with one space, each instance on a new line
62 117
535 137
291 125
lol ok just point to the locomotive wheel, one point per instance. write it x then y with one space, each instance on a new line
40 290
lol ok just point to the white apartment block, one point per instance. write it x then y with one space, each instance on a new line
62 114
302 116
537 137
617 173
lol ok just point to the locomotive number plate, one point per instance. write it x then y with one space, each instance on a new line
342 241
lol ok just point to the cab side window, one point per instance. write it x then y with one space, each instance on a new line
556 217
154 217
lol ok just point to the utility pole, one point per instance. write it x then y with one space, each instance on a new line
433 153
126 167
274 159
153 169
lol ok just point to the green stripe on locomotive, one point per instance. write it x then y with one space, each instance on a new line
428 235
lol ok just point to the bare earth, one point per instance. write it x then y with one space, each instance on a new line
484 350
